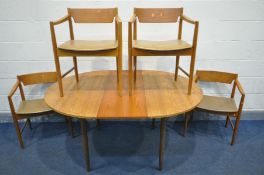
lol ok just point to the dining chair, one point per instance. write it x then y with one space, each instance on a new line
30 107
177 47
86 48
220 105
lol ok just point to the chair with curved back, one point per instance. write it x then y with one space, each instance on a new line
32 107
220 105
81 48
177 47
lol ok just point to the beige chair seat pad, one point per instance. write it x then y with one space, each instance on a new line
161 45
84 45
218 104
33 107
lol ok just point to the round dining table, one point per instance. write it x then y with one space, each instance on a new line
156 95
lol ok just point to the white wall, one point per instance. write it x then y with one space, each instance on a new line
231 38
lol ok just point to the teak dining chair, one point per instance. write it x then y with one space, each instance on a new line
220 105
81 48
33 107
176 47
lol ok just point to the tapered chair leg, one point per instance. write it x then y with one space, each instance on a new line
75 68
117 76
19 134
235 129
59 77
130 74
29 124
177 67
191 74
227 119
135 68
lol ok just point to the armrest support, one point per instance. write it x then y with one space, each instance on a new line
130 30
188 20
10 95
13 90
240 89
61 20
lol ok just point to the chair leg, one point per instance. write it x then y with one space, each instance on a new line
29 124
227 119
119 73
153 123
235 129
191 74
130 74
59 77
117 77
177 67
19 134
135 68
75 68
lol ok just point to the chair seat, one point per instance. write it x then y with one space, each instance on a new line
83 45
33 107
218 104
161 45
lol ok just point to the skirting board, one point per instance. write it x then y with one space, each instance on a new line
246 115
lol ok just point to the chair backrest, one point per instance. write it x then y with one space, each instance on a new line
215 76
38 78
100 15
158 15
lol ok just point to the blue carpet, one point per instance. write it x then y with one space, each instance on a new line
132 148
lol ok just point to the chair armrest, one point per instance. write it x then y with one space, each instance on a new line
118 19
61 20
13 90
132 19
188 20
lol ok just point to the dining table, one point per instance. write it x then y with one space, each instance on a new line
156 96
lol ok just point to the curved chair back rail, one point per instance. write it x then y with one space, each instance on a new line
38 78
100 15
215 76
158 15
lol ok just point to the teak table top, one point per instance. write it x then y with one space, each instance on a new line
95 96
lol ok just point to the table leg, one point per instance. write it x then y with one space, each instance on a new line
85 143
162 141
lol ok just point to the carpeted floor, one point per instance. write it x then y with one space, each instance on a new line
132 148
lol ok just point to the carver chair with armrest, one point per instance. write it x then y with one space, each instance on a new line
177 47
220 105
81 48
32 107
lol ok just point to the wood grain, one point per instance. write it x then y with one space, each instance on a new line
100 15
158 15
84 45
161 45
156 95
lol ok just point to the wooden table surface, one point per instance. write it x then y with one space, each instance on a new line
156 95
